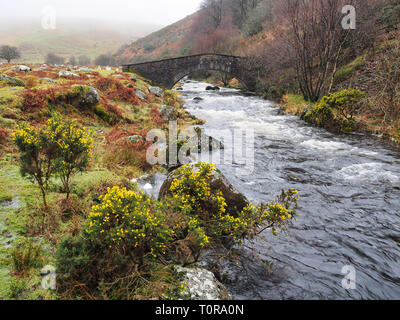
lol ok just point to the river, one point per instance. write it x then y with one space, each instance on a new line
349 207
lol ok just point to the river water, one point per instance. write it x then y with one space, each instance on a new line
349 207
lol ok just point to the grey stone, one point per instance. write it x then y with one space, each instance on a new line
47 79
203 285
11 80
156 91
65 73
141 95
22 68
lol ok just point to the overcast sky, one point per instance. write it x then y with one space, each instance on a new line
155 12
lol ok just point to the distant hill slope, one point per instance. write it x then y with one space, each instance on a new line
79 37
165 43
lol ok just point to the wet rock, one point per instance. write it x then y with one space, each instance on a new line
141 95
156 91
212 88
234 199
202 285
197 99
281 112
179 89
65 74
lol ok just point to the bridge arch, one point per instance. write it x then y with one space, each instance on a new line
168 72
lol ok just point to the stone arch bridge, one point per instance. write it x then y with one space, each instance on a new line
168 72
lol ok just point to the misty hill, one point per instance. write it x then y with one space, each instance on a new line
165 43
71 37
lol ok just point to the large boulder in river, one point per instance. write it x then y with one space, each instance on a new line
211 88
234 199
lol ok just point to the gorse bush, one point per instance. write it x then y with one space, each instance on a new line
128 220
337 110
127 233
57 149
196 199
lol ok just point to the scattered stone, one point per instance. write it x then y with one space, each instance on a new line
47 79
12 81
197 99
141 95
22 68
88 70
65 73
234 199
158 92
203 285
133 78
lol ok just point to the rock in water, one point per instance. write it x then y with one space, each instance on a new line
156 91
211 88
202 285
234 199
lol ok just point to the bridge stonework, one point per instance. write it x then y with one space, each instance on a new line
168 72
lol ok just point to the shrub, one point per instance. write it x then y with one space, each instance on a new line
206 208
130 222
74 149
37 99
25 257
3 135
57 149
337 110
115 90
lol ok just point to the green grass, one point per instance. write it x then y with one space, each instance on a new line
347 71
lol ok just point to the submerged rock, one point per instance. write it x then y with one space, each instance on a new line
234 199
203 285
197 99
211 88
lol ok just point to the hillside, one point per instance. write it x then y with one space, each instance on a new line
72 37
165 43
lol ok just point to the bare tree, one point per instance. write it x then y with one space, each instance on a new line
317 38
9 53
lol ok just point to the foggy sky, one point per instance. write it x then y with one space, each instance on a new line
155 12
